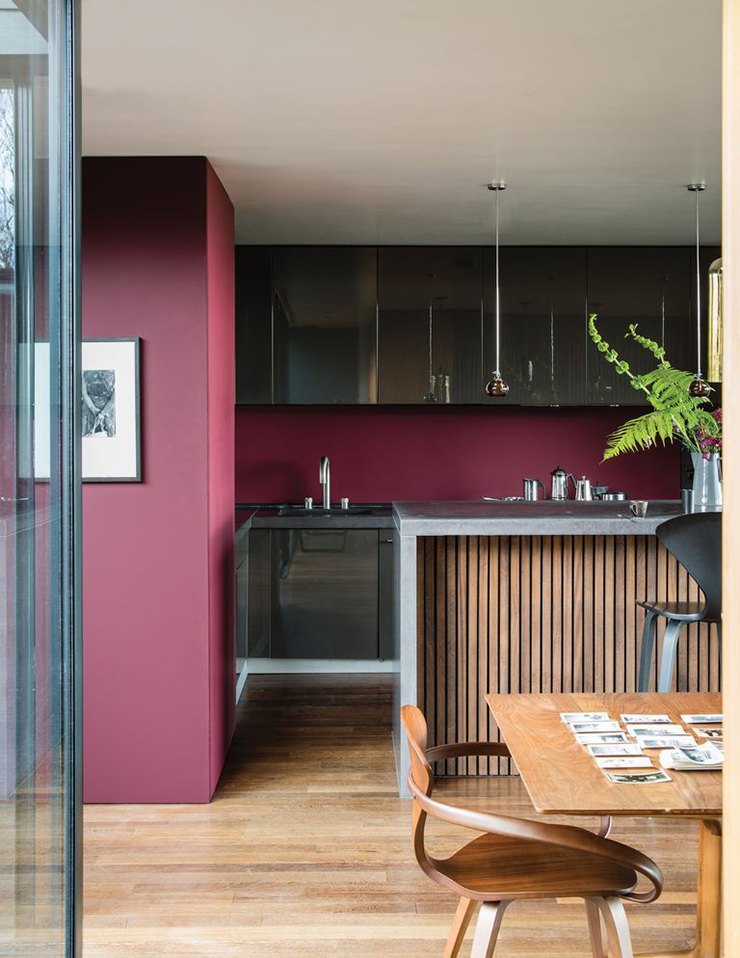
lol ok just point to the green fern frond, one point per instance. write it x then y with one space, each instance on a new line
676 414
649 344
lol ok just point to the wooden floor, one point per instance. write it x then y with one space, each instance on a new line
305 850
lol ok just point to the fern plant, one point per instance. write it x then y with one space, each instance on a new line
676 415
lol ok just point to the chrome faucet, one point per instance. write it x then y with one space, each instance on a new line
325 480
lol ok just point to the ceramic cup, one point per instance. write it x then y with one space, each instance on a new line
639 508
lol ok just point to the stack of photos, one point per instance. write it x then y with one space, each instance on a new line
615 747
705 757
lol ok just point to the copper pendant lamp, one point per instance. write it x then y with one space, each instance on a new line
497 387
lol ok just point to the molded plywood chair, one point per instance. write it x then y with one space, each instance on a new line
696 541
517 859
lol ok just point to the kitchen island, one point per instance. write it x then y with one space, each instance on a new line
496 597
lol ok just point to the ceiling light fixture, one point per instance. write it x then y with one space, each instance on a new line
496 386
699 387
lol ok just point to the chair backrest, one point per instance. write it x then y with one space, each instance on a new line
696 541
421 783
415 727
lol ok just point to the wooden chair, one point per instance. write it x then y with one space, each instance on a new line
516 859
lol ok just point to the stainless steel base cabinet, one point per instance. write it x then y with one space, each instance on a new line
320 598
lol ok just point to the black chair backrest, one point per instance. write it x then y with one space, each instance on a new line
696 541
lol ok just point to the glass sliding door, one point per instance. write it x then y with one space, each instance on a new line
39 486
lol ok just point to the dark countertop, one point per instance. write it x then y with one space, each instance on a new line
268 516
545 518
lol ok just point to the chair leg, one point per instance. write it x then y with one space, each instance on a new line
460 923
487 928
605 826
617 928
594 928
668 655
646 651
719 647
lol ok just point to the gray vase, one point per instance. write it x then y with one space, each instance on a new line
707 483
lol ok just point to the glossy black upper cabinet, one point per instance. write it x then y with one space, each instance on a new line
542 326
649 286
253 297
324 325
417 325
429 325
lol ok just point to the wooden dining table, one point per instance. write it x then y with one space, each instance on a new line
562 778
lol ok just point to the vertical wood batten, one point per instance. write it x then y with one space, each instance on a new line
540 614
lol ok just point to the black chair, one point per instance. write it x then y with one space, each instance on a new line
696 541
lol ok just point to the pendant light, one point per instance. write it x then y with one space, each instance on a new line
699 387
497 387
714 360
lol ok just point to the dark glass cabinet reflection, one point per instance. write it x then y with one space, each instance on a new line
647 286
416 325
324 325
543 323
429 325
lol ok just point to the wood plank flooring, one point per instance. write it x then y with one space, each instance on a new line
305 850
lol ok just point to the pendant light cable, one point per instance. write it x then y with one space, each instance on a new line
497 386
699 387
698 289
498 294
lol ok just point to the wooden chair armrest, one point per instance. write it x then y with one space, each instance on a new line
564 836
457 749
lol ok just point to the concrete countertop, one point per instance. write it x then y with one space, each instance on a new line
545 518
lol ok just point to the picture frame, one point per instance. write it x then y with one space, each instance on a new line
111 410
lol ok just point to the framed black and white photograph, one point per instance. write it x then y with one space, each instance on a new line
110 410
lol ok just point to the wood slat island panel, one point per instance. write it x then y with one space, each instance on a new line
540 614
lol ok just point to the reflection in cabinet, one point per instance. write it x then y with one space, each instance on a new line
314 594
415 325
429 325
324 324
242 610
543 323
650 286
253 297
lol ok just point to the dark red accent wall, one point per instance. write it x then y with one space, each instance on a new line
379 454
157 262
221 374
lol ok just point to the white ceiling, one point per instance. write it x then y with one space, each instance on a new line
380 121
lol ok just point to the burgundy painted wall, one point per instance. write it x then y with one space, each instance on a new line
155 720
379 454
221 374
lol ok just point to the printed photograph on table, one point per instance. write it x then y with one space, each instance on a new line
603 738
666 741
571 717
653 730
637 778
111 441
577 727
713 733
597 750
624 761
705 719
634 718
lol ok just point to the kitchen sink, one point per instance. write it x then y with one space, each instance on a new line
319 512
